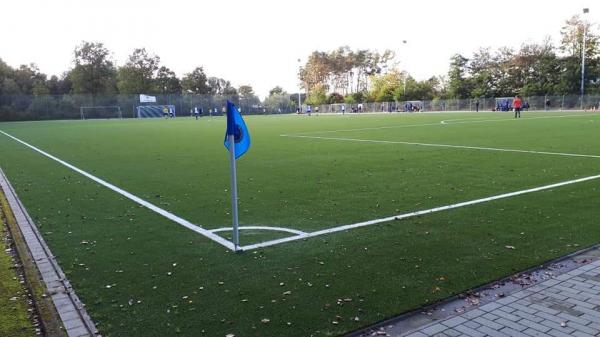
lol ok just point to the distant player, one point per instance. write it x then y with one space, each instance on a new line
308 109
343 109
196 113
171 112
517 103
165 112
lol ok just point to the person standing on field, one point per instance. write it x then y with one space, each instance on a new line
477 106
517 106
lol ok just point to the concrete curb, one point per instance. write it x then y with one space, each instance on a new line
74 317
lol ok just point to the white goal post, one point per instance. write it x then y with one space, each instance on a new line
100 111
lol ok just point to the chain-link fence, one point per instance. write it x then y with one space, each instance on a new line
533 103
27 107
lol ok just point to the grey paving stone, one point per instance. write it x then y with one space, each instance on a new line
452 333
528 316
490 306
511 324
581 334
417 334
491 332
506 315
557 333
486 322
452 322
513 332
465 330
534 333
472 324
507 308
534 325
433 329
78 332
583 328
73 324
522 308
544 309
473 313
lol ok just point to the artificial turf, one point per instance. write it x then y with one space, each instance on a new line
117 253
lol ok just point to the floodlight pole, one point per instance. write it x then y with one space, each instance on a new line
585 11
405 75
234 198
299 88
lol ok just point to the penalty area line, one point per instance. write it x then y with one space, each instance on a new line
416 213
208 234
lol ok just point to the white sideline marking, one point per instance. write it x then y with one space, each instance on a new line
265 228
417 213
447 122
134 198
447 145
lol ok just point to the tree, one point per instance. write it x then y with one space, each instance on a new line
59 86
458 83
93 71
219 86
278 101
167 82
572 46
138 75
334 98
317 96
276 91
384 86
196 82
246 93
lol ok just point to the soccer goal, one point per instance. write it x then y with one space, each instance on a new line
504 104
153 111
98 112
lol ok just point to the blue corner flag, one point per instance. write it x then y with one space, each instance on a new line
237 127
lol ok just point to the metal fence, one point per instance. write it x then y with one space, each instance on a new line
28 107
533 103
24 107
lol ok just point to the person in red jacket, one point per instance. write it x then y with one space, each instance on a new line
517 106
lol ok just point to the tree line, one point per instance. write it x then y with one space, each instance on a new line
340 75
343 75
94 73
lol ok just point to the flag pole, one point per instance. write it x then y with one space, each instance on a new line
234 198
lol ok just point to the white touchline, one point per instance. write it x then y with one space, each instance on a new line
417 213
447 145
134 198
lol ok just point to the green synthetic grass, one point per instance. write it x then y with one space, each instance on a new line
14 318
188 285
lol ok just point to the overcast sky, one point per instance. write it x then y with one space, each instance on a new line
259 42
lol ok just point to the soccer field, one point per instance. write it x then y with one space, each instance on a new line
350 219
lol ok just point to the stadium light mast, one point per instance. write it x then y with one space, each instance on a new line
299 88
405 75
585 11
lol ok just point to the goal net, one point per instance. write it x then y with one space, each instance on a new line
412 106
153 111
504 104
99 112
